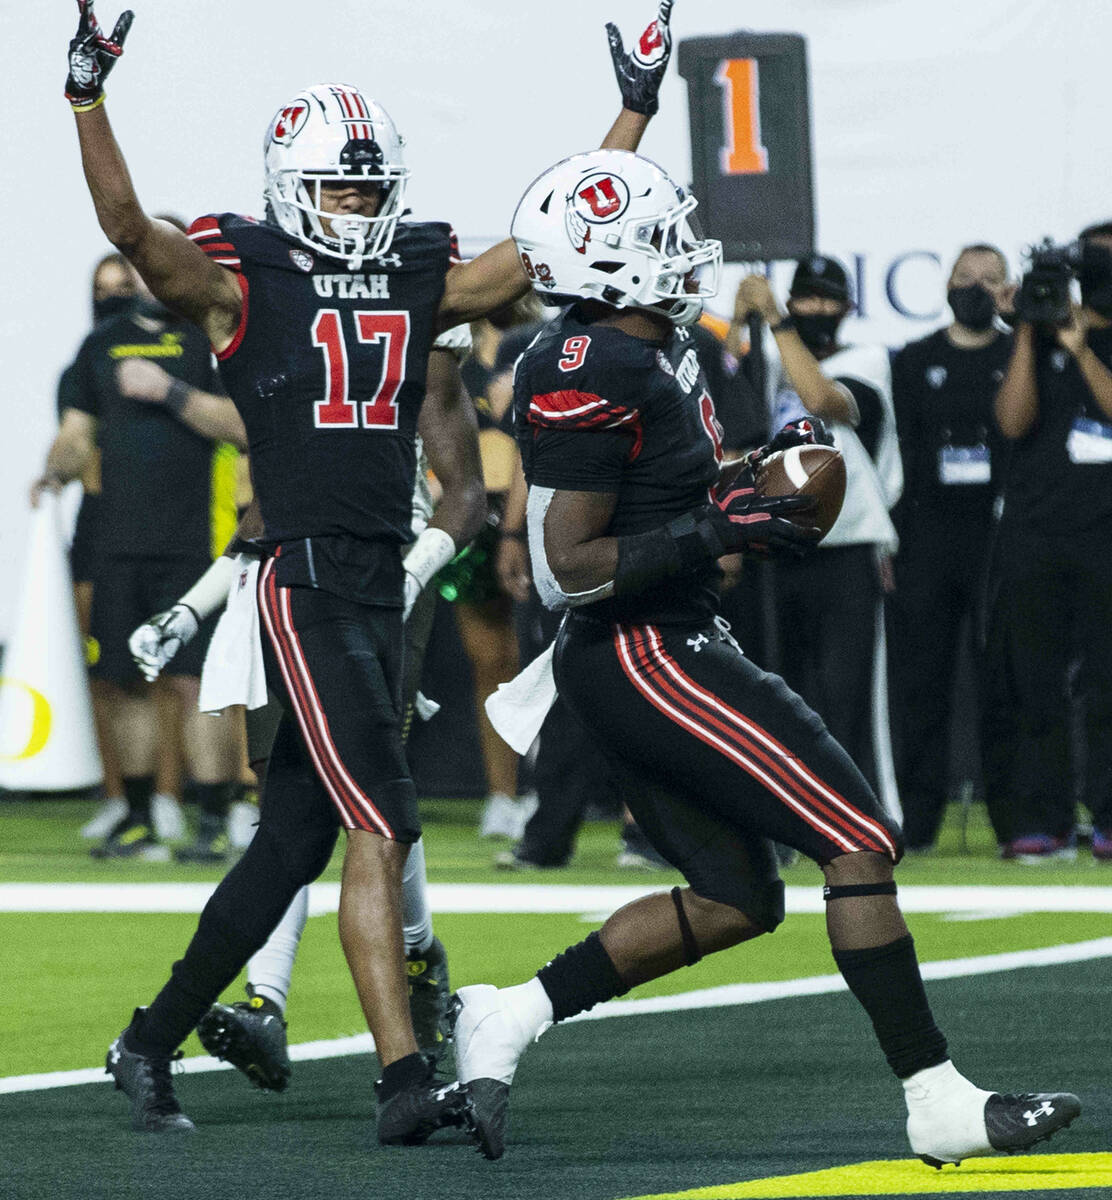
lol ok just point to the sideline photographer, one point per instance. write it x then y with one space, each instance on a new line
1051 596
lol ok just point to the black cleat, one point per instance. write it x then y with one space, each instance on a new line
411 1116
250 1035
1019 1122
209 846
429 992
132 839
145 1080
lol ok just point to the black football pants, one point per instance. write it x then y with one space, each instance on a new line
940 586
1050 607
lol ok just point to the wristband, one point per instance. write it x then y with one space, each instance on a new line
644 559
211 590
431 551
515 535
177 396
84 106
784 325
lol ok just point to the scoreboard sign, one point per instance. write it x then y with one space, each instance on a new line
751 142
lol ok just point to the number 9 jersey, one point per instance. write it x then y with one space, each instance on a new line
327 369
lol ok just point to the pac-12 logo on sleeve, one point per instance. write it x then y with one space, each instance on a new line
289 123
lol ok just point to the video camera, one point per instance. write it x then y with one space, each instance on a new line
1044 292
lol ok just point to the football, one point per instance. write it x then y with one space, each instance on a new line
818 471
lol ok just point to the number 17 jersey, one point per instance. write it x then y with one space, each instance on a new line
327 370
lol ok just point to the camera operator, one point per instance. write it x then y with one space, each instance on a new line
1051 600
828 605
943 389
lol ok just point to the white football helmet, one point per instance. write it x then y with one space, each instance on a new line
327 132
612 226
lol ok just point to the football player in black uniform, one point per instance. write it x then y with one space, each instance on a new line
627 515
322 316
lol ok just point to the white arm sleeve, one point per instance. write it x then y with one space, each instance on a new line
210 592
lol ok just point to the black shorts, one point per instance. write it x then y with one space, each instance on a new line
336 667
82 552
126 592
718 759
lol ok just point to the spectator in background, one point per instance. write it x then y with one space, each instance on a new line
484 611
166 508
1051 594
943 389
829 604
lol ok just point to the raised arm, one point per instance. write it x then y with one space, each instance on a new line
822 396
175 270
1017 400
496 277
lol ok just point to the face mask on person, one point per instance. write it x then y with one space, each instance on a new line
112 306
973 306
817 331
1095 277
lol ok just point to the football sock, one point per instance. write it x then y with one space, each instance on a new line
580 978
531 1004
888 985
401 1074
214 799
416 913
137 792
270 970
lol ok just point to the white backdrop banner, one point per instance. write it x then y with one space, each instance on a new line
934 125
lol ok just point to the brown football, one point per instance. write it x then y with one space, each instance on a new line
818 471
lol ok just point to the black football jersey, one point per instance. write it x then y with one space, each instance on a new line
596 410
327 370
166 491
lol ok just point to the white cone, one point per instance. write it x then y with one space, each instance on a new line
47 738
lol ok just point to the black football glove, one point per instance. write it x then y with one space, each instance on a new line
92 56
640 71
743 520
808 431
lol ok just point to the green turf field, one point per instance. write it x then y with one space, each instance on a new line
655 1104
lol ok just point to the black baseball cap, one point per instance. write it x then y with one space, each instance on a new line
821 276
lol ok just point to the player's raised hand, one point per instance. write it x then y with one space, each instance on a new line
92 56
640 70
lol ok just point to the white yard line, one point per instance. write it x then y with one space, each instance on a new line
717 997
540 898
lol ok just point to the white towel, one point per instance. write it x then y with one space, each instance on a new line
517 709
234 672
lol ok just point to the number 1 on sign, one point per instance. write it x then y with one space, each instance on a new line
743 153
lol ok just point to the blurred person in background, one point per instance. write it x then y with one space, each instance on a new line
943 390
166 506
829 604
1049 635
484 610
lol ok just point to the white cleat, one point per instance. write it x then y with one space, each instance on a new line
505 817
167 818
105 819
950 1120
490 1035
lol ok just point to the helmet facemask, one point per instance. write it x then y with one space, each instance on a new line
685 266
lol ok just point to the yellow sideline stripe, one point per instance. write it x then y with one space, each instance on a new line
909 1177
